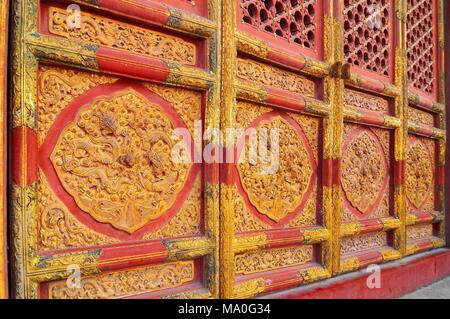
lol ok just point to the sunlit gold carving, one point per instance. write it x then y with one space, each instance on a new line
99 30
126 283
419 173
187 221
57 88
248 112
279 194
58 229
363 171
273 259
115 160
361 100
187 103
363 242
419 232
268 75
420 117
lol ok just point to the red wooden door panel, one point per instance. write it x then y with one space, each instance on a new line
97 196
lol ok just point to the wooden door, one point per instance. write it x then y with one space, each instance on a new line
277 231
99 210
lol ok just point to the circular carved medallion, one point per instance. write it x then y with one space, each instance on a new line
280 192
419 174
114 159
363 171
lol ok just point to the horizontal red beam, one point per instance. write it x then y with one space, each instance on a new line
114 258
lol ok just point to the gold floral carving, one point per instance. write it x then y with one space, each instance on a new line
126 283
115 160
419 173
244 220
419 232
363 171
58 87
187 103
420 116
187 221
279 194
369 102
248 112
58 229
115 34
273 259
363 242
268 75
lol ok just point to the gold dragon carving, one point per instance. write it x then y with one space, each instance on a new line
419 173
57 88
363 171
126 283
115 34
279 194
114 159
268 75
273 259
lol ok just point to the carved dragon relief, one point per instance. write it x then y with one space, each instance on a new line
363 170
114 160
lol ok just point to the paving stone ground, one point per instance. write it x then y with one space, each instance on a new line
438 290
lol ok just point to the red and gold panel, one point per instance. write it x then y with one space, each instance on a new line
367 181
422 180
98 136
289 197
366 173
95 153
153 281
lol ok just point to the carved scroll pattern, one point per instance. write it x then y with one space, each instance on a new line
279 194
114 159
365 101
419 173
419 232
187 222
363 171
363 242
126 283
273 259
420 117
271 76
58 229
102 31
187 103
57 88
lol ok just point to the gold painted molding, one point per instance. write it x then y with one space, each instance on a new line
4 5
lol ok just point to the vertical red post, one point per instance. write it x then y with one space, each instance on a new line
447 94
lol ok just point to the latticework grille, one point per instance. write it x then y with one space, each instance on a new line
294 20
367 34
